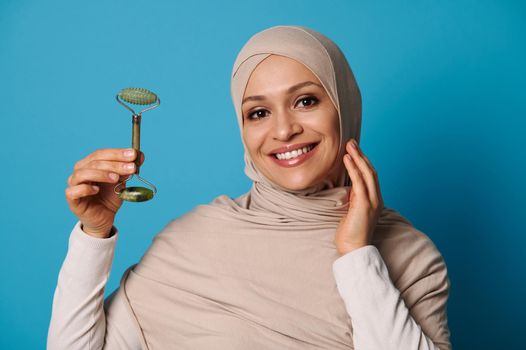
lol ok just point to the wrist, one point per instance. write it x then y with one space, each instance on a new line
97 233
347 248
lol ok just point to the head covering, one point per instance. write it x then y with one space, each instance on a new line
328 64
321 201
256 271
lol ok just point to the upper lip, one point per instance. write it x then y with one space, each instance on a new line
290 148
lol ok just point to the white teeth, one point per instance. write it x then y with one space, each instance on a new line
295 153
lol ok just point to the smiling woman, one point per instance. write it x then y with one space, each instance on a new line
290 125
308 258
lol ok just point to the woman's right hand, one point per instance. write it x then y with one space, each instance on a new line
90 194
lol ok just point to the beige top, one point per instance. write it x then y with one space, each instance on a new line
378 316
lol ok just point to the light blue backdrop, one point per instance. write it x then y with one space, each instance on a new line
443 123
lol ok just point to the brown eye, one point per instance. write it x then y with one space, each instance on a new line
308 101
257 114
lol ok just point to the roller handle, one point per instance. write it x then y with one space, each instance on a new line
136 139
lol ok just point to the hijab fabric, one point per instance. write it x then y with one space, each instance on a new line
256 271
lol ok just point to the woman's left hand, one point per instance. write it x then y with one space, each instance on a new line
356 229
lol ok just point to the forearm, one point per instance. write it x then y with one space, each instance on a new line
380 318
78 320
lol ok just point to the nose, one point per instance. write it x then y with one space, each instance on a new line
285 126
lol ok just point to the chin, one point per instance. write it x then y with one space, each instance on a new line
295 178
296 185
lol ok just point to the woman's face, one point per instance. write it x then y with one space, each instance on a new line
290 125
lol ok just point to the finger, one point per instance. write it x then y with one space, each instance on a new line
93 175
366 159
367 172
376 180
375 175
358 185
121 168
80 191
114 154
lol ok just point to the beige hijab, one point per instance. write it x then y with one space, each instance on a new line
255 272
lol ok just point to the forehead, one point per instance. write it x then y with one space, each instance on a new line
276 72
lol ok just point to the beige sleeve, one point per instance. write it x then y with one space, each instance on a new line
80 318
379 316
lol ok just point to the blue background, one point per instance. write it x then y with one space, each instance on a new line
443 123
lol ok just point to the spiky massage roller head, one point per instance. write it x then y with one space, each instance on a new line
138 96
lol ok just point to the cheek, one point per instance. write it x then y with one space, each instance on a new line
327 125
253 139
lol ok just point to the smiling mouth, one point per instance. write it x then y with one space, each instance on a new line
295 153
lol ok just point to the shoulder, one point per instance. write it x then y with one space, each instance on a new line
410 255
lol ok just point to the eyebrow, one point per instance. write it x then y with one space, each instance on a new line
290 90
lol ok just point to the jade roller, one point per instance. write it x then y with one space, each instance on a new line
136 96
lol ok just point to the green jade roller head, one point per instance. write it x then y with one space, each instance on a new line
137 96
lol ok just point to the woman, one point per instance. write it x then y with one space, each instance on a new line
309 258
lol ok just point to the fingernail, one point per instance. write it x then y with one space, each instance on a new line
129 166
129 152
353 143
114 176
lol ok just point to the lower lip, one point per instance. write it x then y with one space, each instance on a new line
288 163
